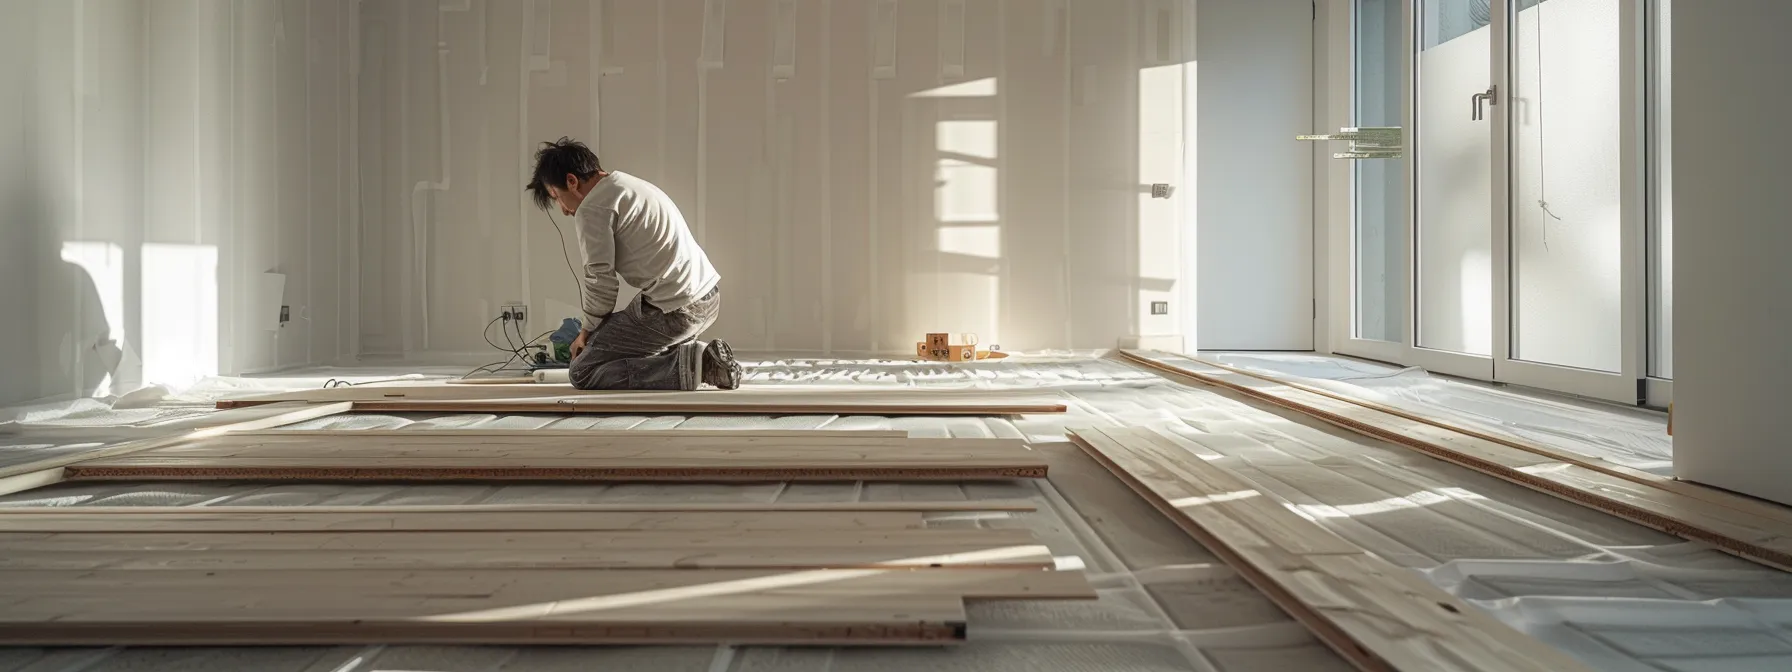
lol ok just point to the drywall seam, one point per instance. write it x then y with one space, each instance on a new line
304 312
523 144
825 47
1134 216
662 68
485 41
772 149
80 181
420 227
1064 184
594 76
871 223
404 156
354 182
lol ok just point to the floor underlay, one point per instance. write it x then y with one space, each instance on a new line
1617 595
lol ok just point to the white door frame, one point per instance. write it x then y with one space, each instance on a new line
1622 386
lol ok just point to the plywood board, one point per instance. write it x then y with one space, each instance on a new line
1713 495
1374 614
1753 532
526 456
49 471
821 548
309 521
752 401
1017 505
842 606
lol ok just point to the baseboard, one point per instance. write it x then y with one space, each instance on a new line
1172 343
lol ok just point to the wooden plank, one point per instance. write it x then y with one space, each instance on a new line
924 554
524 456
297 413
336 617
1732 500
1376 615
30 480
148 590
547 446
309 521
425 471
893 541
594 433
1752 533
1014 505
762 400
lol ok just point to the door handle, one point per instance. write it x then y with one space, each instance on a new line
1491 96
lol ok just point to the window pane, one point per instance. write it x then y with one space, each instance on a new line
1380 239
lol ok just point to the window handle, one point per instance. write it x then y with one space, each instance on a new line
1491 97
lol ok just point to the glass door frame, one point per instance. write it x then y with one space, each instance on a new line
1624 386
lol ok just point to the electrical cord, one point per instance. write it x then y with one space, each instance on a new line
577 288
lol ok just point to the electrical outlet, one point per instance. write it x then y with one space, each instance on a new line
1161 190
516 312
285 315
1160 307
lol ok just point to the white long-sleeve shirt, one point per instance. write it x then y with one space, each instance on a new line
627 227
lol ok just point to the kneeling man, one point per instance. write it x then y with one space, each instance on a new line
629 228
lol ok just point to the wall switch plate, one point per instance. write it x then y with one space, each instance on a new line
1160 307
285 315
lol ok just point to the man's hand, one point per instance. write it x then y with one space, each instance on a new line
578 344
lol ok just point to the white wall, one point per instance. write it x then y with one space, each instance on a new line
1732 285
159 158
1255 264
987 173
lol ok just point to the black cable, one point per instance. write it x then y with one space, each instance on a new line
487 333
578 289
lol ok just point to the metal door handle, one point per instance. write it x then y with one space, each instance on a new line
1491 96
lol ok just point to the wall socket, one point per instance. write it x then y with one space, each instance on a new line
516 312
1160 307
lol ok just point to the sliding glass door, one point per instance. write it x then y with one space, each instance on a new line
1573 232
1507 243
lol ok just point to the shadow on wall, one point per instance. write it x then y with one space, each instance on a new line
56 337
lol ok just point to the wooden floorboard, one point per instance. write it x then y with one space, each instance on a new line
1376 615
460 521
1751 531
924 506
1746 504
442 456
288 414
695 541
766 400
838 606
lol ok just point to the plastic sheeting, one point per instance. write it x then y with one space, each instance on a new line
1614 594
1631 437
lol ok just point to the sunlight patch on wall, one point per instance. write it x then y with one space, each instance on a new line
966 175
180 313
977 88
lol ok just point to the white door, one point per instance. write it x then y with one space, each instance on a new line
1515 254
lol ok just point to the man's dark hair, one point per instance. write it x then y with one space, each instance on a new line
554 162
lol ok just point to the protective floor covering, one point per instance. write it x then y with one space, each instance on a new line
1617 595
1632 437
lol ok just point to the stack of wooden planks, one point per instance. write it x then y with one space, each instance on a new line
444 455
848 573
1373 613
1749 528
759 400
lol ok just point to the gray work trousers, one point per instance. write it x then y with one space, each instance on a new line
643 348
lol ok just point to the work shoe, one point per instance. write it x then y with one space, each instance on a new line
719 367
